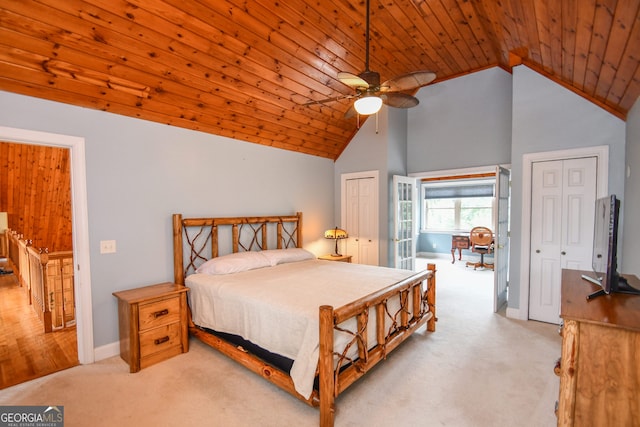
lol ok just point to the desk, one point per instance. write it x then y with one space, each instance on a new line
460 242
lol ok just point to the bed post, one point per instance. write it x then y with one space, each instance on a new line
178 266
431 298
325 368
299 230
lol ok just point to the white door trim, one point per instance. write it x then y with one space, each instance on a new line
80 227
602 185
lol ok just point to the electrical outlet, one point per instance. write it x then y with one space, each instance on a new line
107 246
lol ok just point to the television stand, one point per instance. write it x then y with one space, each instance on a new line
621 286
600 348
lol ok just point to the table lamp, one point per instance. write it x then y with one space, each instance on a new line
335 233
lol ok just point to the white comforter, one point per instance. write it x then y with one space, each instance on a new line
277 307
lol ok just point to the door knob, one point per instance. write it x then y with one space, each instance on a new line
537 251
563 253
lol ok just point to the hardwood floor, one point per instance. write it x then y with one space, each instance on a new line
26 352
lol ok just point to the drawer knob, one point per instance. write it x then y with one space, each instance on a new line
161 313
161 340
557 369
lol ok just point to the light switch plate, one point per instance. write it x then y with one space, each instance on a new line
107 246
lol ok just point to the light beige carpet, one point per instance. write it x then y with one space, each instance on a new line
477 369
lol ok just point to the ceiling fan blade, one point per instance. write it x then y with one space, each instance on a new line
408 81
399 100
352 80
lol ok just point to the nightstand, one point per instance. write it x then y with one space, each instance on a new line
341 258
153 324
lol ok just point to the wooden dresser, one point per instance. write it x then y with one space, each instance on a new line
153 324
600 364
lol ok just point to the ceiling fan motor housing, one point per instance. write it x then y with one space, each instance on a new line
371 77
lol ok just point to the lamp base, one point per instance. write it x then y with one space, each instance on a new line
336 254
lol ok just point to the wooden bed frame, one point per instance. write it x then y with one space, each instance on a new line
202 237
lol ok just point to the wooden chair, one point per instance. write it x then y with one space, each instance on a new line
481 239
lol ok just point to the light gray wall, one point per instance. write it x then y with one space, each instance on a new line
631 202
367 151
463 122
380 144
548 117
139 173
492 117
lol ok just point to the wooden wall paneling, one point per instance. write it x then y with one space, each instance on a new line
251 112
584 23
470 32
555 37
569 23
429 30
613 53
390 46
427 46
37 183
244 70
602 22
627 79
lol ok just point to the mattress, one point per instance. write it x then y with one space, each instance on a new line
277 308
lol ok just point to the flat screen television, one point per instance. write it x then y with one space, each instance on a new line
604 259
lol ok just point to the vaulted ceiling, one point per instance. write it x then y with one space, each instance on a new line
246 69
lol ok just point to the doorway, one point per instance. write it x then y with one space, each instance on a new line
80 228
474 191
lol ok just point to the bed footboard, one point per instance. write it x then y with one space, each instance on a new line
416 307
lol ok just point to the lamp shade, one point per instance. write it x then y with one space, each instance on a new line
368 104
335 233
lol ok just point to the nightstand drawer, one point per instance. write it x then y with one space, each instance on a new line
159 339
159 313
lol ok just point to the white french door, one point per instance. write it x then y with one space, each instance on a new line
501 239
405 194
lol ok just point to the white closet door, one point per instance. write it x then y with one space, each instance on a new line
351 223
362 220
562 205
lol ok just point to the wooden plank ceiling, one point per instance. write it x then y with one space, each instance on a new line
245 69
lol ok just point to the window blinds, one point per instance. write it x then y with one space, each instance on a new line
459 191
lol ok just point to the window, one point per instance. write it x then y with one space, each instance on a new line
457 206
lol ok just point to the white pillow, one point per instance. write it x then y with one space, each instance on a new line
234 263
282 256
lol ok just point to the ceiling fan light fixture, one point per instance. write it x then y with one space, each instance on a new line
368 105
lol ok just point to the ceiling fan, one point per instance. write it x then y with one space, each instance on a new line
371 94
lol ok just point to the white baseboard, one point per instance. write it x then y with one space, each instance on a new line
106 351
514 313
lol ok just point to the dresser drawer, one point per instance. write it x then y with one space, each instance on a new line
159 339
159 313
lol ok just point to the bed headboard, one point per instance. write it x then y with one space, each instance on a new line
195 240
